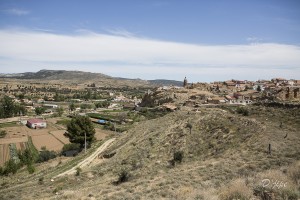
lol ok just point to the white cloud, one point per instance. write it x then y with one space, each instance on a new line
17 11
141 57
120 32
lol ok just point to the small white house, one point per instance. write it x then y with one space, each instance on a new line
50 106
36 123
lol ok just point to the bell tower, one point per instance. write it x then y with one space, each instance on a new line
185 82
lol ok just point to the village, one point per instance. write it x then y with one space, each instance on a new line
47 109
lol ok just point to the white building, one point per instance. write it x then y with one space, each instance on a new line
36 123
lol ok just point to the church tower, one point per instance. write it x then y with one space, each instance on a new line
185 82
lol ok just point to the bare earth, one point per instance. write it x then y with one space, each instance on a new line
88 160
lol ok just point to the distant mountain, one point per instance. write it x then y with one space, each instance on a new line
164 82
55 75
87 77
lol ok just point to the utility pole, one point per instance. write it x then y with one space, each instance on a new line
84 142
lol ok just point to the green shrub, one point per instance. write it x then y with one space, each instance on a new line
71 146
41 180
10 167
30 168
57 189
178 156
243 111
78 171
3 133
46 155
123 176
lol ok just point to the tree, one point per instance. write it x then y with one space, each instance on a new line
102 104
60 111
72 107
19 109
7 107
39 110
10 167
78 127
71 146
21 96
190 126
27 157
3 133
258 89
46 155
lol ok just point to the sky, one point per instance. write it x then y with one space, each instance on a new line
153 39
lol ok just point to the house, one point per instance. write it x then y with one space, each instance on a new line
297 82
50 106
278 80
129 106
230 99
242 98
216 100
36 123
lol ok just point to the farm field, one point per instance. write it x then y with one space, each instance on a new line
4 153
51 137
48 141
59 134
16 131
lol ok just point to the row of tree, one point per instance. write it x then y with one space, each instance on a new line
8 108
27 158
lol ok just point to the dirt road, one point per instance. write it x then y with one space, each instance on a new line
88 160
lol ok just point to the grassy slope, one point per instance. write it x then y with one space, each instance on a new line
221 147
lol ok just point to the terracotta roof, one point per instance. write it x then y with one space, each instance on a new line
33 121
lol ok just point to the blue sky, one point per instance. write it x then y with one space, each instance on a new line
203 40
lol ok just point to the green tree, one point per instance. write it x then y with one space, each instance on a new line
3 133
190 126
72 106
78 127
86 106
88 95
258 89
7 107
102 104
46 155
27 157
71 146
58 97
19 109
39 110
60 111
10 167
21 96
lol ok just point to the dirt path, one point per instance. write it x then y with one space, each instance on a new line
88 160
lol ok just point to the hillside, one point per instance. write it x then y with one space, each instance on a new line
222 151
58 76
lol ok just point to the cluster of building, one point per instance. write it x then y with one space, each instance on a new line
245 92
235 92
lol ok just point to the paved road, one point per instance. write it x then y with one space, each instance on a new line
88 160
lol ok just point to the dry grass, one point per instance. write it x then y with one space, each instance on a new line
294 173
237 189
225 157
